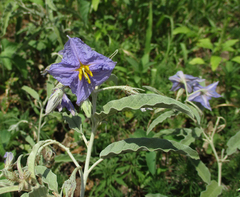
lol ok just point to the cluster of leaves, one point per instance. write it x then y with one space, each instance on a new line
155 39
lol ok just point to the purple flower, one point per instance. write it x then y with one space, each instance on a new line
179 78
59 99
66 103
204 94
81 68
9 159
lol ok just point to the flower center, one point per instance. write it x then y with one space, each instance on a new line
84 71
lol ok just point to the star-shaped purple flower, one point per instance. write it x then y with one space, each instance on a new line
204 94
179 78
81 68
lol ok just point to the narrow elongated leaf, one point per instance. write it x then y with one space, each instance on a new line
233 143
160 119
48 177
149 144
142 101
212 190
202 170
32 92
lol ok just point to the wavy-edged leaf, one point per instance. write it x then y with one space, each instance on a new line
48 177
142 101
32 92
160 119
233 143
212 190
148 144
202 170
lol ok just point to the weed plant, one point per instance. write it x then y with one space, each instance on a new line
155 39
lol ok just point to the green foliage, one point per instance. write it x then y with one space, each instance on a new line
155 39
150 144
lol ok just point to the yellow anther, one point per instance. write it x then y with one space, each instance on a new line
84 70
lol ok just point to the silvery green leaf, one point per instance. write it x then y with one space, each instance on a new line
160 119
202 170
48 177
148 144
142 101
213 190
32 92
233 143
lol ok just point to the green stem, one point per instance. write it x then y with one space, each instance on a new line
95 164
90 144
219 162
40 122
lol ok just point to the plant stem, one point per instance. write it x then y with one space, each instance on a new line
210 140
40 122
95 164
90 144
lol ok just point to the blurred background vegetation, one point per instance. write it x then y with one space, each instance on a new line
155 39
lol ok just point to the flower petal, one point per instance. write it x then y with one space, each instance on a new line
64 73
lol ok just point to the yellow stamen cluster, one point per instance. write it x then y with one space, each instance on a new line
84 71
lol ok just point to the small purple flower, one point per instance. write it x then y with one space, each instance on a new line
204 94
59 100
8 159
66 103
81 68
179 78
